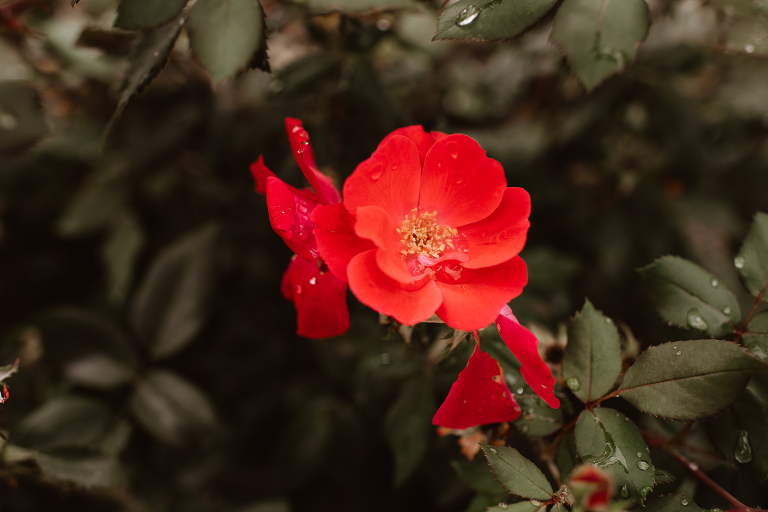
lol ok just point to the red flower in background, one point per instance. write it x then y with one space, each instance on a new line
428 226
318 295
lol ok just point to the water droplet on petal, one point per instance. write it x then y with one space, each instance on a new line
726 310
695 321
642 465
295 129
738 262
302 208
743 448
376 172
303 234
624 491
467 15
453 148
714 283
573 383
298 289
312 280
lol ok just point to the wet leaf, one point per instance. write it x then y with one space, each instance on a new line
752 260
170 305
537 418
517 474
608 440
478 476
756 337
22 121
408 425
689 380
592 357
739 434
226 35
688 296
600 37
490 20
144 14
522 506
172 409
670 503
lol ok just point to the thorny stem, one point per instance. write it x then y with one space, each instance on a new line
694 469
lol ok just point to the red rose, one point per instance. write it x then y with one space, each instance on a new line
428 226
318 295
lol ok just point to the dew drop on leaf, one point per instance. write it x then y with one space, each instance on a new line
695 321
679 353
642 465
743 448
519 391
639 454
738 262
573 383
624 491
684 502
467 16
493 451
726 310
714 283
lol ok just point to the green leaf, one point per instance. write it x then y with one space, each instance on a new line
144 14
756 337
688 296
608 440
600 37
64 421
119 253
537 418
22 123
517 474
566 457
689 380
477 475
96 205
490 20
226 35
670 503
744 35
93 471
740 434
172 409
752 260
592 357
409 424
522 506
170 305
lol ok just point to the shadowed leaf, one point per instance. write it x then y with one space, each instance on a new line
144 14
517 474
752 260
490 20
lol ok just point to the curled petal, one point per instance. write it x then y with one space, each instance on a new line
525 347
502 234
337 241
320 299
374 288
478 397
389 179
460 182
305 157
261 173
472 298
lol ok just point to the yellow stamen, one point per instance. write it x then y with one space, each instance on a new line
422 235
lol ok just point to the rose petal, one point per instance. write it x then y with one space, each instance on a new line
289 214
320 299
305 157
525 347
422 139
336 239
502 234
389 179
476 303
374 288
260 174
459 182
478 397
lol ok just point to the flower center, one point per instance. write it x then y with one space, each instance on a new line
422 235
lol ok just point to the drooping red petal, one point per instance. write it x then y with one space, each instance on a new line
502 234
525 347
389 179
260 174
289 214
478 397
473 304
336 239
375 289
459 182
305 157
422 139
320 299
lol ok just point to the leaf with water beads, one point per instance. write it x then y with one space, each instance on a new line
517 474
522 506
752 260
756 336
608 440
689 380
688 296
739 434
490 20
671 503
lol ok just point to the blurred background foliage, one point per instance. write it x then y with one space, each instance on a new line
139 276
